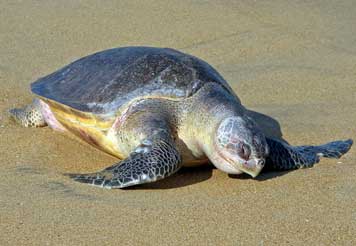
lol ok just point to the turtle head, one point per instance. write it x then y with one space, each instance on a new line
239 146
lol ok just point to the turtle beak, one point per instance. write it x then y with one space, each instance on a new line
253 167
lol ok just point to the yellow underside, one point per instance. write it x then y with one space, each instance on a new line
93 128
89 127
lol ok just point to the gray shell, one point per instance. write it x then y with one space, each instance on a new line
102 82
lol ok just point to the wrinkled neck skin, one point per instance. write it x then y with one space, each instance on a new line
213 105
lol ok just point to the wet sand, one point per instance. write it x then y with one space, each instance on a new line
294 62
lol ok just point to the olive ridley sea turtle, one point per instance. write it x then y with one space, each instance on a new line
158 109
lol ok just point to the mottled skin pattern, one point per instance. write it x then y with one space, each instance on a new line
157 110
30 115
240 139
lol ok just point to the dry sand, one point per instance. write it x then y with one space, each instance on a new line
294 61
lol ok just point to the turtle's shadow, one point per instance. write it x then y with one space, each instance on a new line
192 175
264 175
184 177
269 126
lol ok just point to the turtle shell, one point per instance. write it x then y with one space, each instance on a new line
103 82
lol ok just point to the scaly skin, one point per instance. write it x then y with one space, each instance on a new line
153 121
190 120
30 115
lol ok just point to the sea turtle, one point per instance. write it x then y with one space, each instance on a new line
157 109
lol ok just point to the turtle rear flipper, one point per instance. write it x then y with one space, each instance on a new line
147 163
285 157
30 115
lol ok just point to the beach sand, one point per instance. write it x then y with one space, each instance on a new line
293 61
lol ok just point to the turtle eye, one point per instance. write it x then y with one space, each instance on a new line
244 151
231 148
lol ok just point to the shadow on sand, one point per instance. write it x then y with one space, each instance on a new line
184 177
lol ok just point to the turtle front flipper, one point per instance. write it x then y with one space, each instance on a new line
151 161
30 115
285 157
